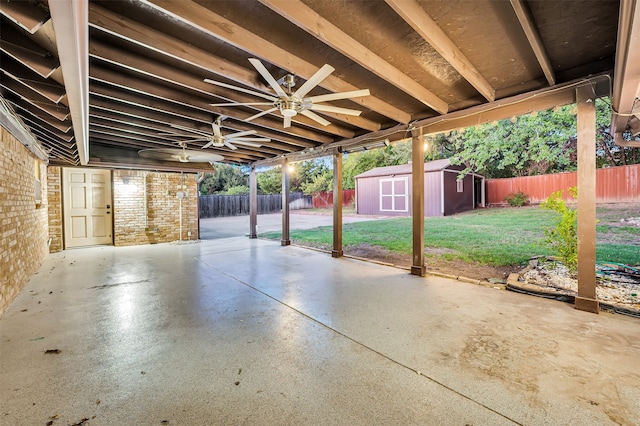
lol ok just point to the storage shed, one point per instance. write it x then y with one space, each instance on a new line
387 190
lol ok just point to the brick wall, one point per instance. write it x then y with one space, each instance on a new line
23 223
161 221
54 201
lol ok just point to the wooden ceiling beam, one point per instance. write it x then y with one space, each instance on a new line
428 29
28 16
108 53
209 22
106 138
204 115
32 120
66 138
130 125
23 105
530 30
58 111
27 52
138 85
96 124
26 76
310 21
118 158
284 142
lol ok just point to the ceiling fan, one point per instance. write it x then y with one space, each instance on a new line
291 103
216 138
181 154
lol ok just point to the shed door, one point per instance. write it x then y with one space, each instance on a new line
394 195
87 207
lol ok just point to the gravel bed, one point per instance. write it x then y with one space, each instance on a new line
613 289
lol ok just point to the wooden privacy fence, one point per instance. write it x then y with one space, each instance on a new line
237 205
613 185
324 199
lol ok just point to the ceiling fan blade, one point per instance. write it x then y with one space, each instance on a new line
267 76
240 140
340 95
260 114
230 145
208 145
240 134
191 140
241 104
287 122
243 142
315 79
337 110
240 89
315 117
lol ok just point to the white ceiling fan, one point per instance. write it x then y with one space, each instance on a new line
181 154
216 138
291 103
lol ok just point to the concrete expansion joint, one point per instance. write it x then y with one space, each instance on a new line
363 345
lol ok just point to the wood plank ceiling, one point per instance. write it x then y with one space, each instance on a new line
148 61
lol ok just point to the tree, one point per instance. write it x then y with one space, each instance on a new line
270 181
223 177
319 183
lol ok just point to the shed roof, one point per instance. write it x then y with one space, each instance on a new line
403 169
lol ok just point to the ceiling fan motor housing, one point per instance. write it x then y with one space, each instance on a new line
289 107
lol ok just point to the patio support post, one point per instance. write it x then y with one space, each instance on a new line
417 191
586 100
337 204
285 204
253 204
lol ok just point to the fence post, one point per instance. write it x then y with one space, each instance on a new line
337 204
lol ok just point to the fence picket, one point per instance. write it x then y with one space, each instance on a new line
237 205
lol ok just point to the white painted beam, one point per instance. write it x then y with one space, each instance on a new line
70 24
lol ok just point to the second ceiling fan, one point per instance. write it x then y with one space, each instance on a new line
291 103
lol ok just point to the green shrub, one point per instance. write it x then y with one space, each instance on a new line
563 237
517 199
237 190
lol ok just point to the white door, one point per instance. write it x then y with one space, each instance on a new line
87 207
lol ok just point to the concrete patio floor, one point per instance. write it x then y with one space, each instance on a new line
239 331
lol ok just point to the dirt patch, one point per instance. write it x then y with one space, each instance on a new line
434 260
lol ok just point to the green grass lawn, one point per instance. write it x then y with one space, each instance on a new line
495 237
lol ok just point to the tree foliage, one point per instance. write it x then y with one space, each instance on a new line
532 144
223 177
270 181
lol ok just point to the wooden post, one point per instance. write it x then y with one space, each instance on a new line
253 204
586 100
417 190
337 204
285 204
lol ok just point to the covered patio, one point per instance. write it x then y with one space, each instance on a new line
240 331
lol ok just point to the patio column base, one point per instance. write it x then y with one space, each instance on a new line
587 305
285 242
420 271
337 253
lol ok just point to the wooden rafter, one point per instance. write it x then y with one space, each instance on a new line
23 105
24 14
422 23
307 19
108 53
133 83
529 28
215 25
27 52
24 75
58 111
